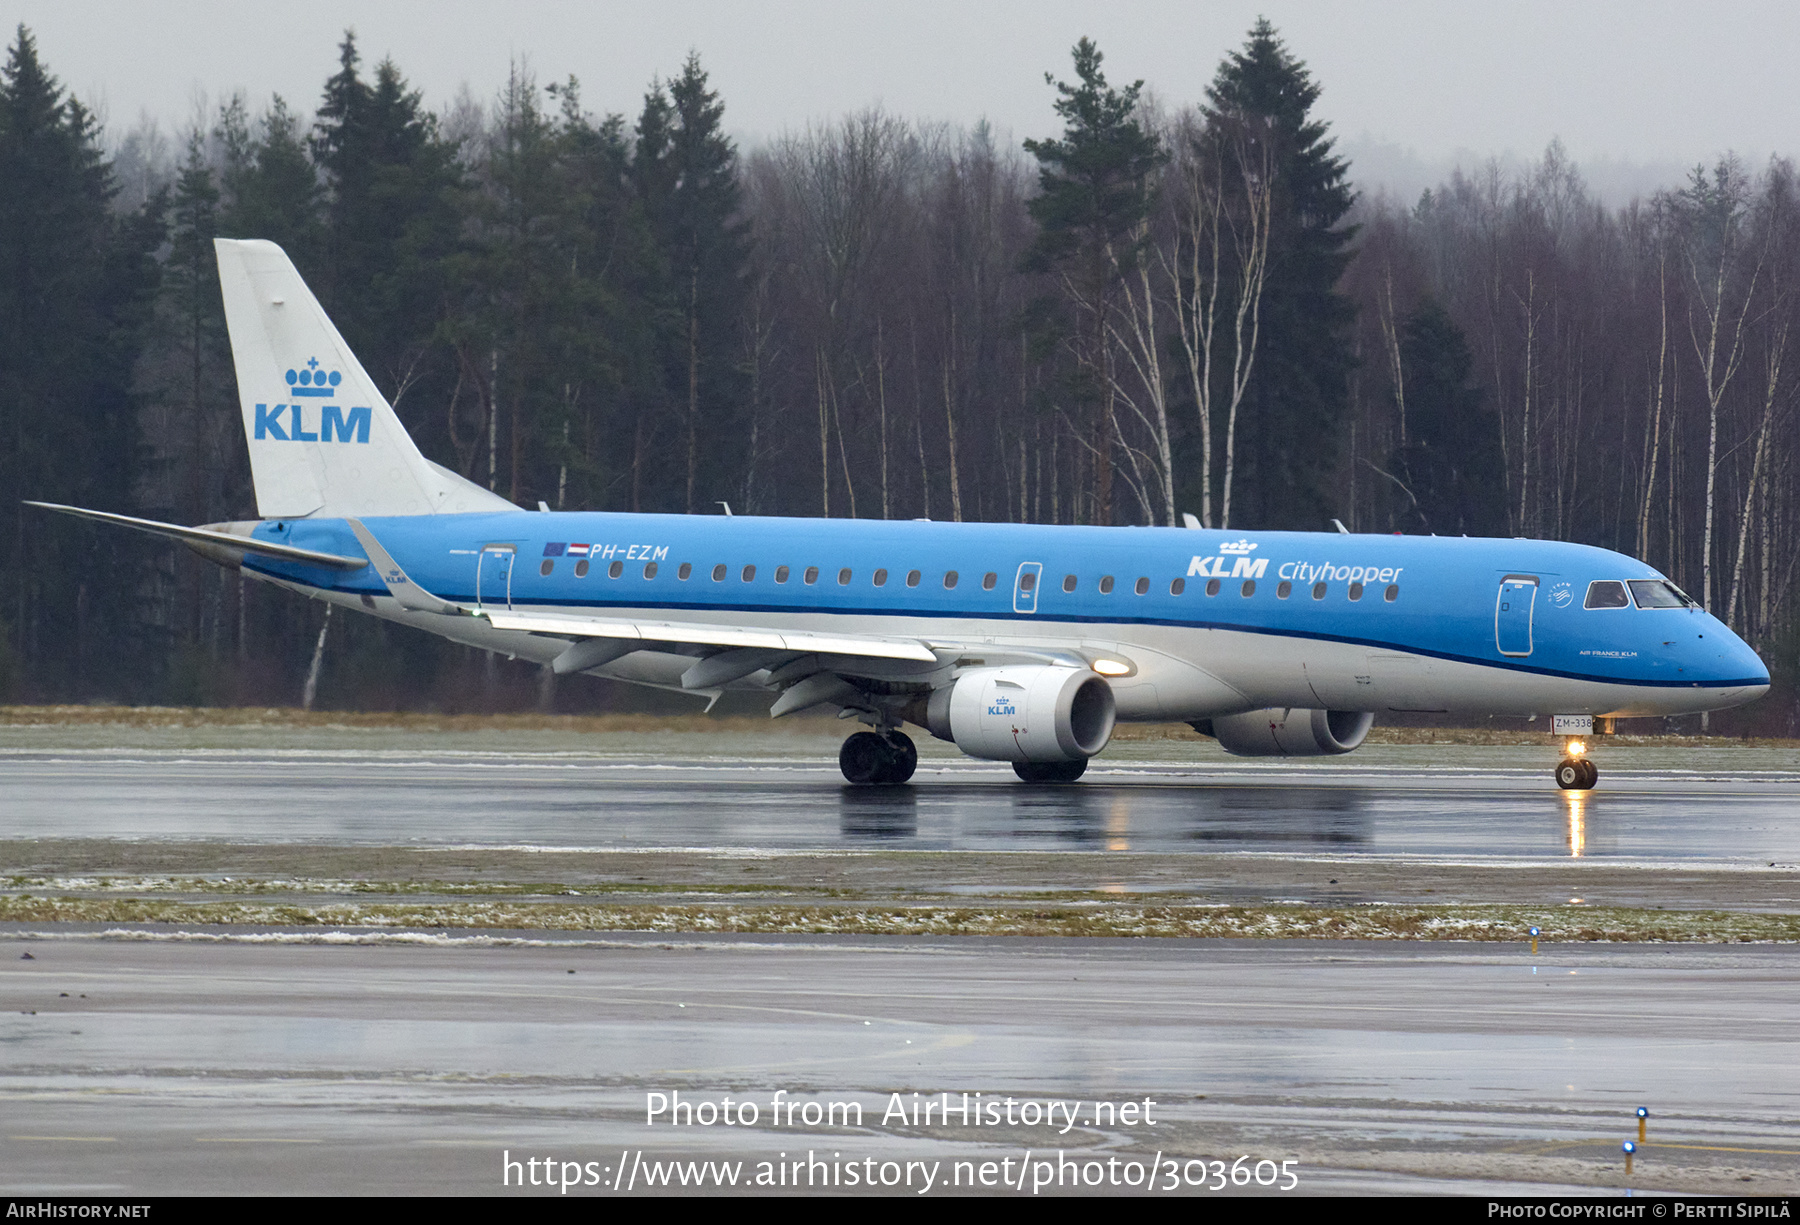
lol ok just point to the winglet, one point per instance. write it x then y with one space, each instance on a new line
408 593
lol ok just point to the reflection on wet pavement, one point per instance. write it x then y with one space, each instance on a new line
576 800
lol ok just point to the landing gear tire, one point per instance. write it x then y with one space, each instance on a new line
867 758
903 758
1577 774
1050 771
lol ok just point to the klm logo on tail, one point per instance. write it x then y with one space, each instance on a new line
287 422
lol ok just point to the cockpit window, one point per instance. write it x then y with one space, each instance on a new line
1606 594
1659 593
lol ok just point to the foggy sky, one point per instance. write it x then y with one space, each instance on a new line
1410 87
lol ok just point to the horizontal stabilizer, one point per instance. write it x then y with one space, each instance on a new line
406 593
214 540
695 634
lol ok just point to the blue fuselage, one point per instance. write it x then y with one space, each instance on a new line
1509 609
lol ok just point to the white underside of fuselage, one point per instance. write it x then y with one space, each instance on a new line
1178 673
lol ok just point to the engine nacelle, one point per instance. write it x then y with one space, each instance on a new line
1278 732
1029 712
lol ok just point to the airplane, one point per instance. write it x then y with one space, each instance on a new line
1017 643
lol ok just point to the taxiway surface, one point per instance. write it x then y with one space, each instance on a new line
404 1064
1653 805
217 1059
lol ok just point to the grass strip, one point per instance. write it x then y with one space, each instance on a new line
1583 924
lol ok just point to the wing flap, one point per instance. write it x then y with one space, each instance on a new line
572 627
854 644
710 635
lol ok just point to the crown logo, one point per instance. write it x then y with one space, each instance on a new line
312 381
1241 546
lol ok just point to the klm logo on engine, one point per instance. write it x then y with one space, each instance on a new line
333 423
1241 566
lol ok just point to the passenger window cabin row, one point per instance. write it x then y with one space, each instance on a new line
782 573
990 580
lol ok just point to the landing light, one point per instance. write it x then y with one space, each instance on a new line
1111 667
1576 748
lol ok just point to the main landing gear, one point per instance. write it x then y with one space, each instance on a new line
1576 772
869 757
877 757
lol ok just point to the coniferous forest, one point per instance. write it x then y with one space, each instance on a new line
1155 311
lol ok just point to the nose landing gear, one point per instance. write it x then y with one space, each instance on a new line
870 757
1576 772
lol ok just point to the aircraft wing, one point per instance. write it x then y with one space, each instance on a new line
871 646
208 539
410 595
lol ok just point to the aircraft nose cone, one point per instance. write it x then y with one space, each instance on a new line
1737 675
1732 659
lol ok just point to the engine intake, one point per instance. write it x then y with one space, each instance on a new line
1030 712
1278 732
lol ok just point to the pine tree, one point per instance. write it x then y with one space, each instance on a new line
707 256
529 285
1299 395
76 285
271 187
1451 464
611 346
686 172
196 326
393 218
1095 186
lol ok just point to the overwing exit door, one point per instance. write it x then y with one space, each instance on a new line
493 576
1512 614
1025 586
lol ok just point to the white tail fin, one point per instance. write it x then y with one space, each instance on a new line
323 441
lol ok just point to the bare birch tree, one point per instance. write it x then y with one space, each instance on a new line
1723 288
1217 259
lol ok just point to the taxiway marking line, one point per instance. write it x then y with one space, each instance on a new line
71 1139
251 1140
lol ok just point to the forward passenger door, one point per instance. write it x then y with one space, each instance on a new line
1512 614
